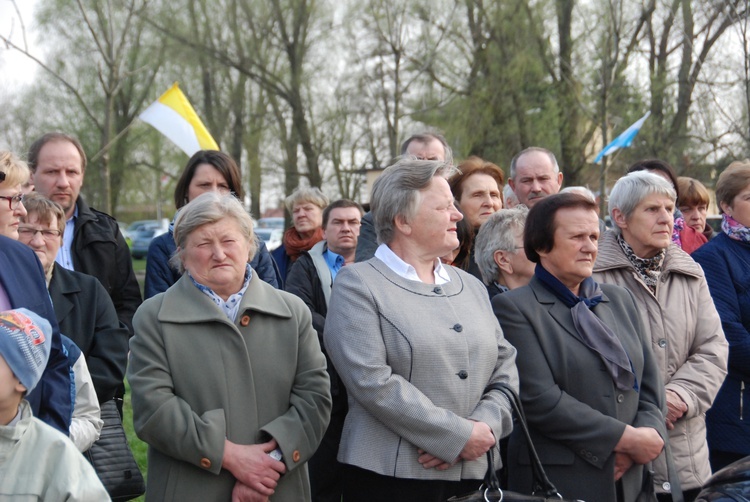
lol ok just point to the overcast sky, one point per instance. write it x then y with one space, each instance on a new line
16 68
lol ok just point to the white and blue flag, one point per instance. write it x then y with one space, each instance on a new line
624 140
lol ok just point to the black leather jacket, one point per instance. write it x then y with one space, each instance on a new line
99 249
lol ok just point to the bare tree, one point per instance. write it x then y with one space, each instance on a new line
124 64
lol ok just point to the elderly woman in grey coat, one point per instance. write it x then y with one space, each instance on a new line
589 384
416 345
682 323
230 388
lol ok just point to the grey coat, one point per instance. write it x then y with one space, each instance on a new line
575 412
198 378
415 359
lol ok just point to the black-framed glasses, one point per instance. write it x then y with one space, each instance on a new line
13 201
47 233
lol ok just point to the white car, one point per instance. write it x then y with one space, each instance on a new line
271 236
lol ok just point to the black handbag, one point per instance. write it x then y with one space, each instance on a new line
112 459
489 491
648 493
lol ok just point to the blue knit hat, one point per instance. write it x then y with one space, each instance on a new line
25 341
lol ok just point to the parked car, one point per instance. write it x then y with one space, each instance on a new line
142 224
276 222
730 484
125 233
142 237
271 236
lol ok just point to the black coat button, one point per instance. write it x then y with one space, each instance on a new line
662 343
458 328
438 290
463 374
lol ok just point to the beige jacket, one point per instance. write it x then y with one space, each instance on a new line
688 343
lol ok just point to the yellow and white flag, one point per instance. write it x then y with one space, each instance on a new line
174 117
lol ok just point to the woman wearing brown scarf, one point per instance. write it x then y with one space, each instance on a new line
306 205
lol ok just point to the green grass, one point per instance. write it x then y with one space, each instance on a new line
139 265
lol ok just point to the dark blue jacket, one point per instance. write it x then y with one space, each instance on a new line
160 276
22 278
726 263
283 262
367 243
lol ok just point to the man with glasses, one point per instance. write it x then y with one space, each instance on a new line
92 242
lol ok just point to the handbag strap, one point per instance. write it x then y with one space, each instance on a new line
491 480
674 480
542 483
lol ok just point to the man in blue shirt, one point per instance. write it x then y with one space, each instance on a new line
311 278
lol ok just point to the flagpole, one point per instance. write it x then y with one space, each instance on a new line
106 147
603 179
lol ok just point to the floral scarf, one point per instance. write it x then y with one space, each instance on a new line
734 229
679 226
232 305
648 269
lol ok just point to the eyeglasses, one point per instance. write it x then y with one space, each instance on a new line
47 233
13 201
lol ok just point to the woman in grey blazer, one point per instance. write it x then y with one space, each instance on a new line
589 384
416 344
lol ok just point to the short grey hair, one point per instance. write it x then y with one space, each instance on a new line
632 188
207 208
397 192
531 149
509 196
301 195
497 234
427 137
580 190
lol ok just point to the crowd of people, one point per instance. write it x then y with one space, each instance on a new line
357 361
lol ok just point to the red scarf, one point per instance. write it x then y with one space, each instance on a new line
294 243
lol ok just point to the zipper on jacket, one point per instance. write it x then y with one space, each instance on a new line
742 400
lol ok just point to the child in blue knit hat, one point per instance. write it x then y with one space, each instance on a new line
37 462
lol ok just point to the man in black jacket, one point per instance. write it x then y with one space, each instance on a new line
311 278
92 243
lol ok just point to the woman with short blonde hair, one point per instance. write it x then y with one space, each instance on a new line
13 174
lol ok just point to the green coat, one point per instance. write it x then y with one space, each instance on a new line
196 379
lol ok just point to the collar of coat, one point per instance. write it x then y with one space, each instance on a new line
561 313
611 256
183 303
85 213
544 295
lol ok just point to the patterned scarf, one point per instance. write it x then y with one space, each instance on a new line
232 305
593 332
734 229
649 269
294 243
